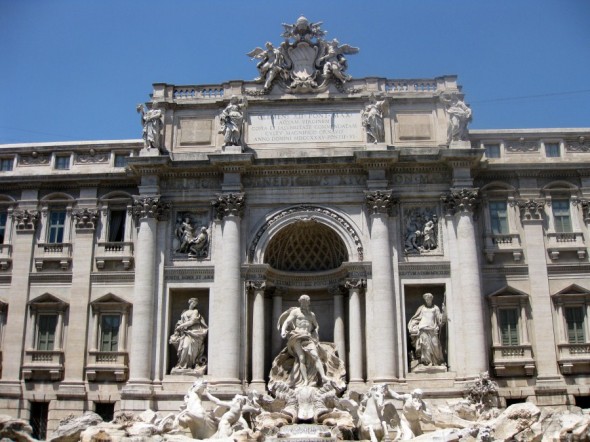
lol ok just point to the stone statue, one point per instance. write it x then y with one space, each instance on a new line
414 411
232 419
459 118
372 119
194 416
305 360
303 30
334 62
151 121
271 65
424 328
232 121
189 340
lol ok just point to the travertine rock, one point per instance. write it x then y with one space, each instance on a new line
69 430
15 429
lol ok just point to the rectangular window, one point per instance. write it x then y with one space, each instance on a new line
62 162
117 225
552 150
492 150
3 218
57 223
6 164
574 317
47 325
121 160
498 217
561 216
109 332
509 326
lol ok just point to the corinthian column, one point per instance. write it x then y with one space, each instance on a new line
225 324
355 332
381 309
258 288
459 207
147 210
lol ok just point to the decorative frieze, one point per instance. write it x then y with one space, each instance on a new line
531 209
25 220
345 177
380 201
461 201
92 157
579 145
34 159
522 146
150 207
85 218
229 204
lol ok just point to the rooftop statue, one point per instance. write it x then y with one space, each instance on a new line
459 118
232 121
304 62
151 120
372 118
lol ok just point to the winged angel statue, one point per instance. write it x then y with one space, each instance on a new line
304 62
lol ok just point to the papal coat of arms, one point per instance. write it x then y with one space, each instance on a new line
304 62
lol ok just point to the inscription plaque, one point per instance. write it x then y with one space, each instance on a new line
304 127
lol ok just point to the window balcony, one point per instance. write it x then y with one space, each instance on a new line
503 243
118 252
5 256
565 242
574 358
43 364
59 253
105 365
514 360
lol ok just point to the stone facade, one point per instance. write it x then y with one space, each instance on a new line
104 243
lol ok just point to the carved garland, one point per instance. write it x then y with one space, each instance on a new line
380 202
531 209
85 218
26 219
306 208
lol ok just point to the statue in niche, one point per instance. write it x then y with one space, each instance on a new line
189 340
151 120
195 246
459 118
372 119
232 121
425 327
272 63
421 231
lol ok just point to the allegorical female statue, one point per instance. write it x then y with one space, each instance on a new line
189 340
232 121
424 328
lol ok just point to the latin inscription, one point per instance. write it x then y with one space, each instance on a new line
304 127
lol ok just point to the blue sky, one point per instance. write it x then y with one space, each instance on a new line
75 70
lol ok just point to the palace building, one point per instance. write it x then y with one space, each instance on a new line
363 193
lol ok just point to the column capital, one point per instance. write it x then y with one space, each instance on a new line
355 283
461 201
85 219
585 205
150 207
229 204
531 209
380 201
26 220
256 285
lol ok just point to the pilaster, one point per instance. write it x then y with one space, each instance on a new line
532 213
258 328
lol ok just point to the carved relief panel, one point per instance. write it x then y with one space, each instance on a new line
421 230
191 235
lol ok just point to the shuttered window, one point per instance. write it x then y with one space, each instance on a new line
574 317
509 326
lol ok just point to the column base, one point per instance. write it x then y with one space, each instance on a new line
71 390
227 387
258 385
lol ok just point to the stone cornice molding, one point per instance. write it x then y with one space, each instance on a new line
461 201
25 220
85 219
150 207
380 202
229 204
531 209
